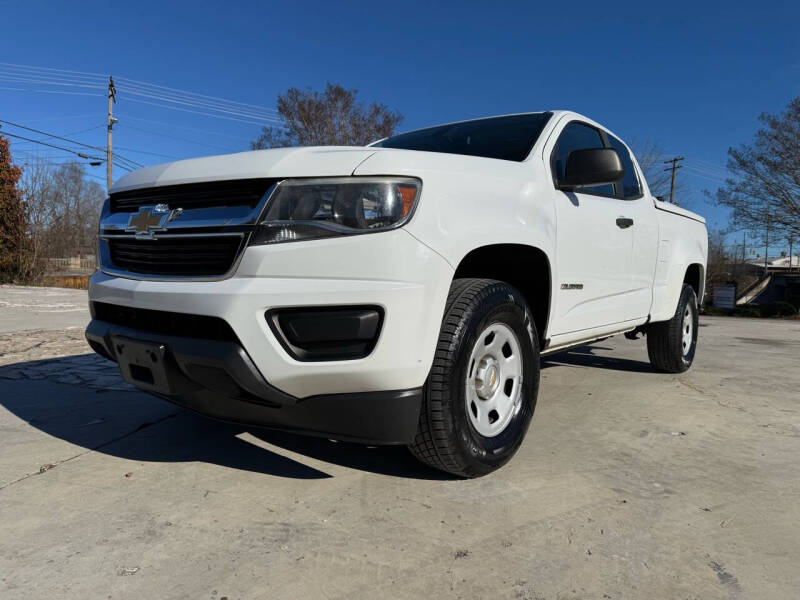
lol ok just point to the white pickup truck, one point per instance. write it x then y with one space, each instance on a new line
400 293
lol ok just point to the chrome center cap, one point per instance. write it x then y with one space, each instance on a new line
487 377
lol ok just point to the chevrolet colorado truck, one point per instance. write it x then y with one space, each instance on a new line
399 293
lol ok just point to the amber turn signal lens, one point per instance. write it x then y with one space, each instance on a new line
409 195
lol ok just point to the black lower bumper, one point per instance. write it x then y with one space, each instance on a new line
219 380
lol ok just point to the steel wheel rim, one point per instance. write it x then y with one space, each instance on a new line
687 330
494 380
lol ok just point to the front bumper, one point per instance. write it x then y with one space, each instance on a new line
257 380
390 270
218 379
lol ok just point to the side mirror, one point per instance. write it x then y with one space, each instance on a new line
592 166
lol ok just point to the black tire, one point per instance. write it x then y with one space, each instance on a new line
665 345
446 438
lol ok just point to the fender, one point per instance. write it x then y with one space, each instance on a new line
683 242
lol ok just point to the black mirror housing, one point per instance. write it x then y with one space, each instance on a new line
591 166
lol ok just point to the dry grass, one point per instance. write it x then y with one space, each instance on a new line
75 282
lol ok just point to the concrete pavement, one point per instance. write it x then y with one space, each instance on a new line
631 484
29 308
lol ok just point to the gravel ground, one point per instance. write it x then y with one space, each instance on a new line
631 484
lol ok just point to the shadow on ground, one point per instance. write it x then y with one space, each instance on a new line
82 400
54 396
584 356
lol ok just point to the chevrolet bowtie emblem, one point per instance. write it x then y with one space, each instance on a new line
150 219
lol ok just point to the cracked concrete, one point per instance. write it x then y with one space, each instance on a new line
631 484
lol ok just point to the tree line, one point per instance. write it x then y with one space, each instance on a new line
46 211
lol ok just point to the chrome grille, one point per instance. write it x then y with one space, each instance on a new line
190 231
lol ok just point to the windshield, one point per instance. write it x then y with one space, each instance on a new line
506 138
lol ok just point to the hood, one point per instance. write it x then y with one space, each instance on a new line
322 161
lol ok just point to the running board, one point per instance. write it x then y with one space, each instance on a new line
555 349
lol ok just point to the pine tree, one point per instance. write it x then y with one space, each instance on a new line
12 218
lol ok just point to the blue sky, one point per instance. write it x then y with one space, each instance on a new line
691 76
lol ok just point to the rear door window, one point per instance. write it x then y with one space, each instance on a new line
630 186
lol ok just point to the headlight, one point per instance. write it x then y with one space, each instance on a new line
306 209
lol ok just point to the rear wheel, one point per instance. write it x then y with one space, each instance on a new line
671 344
481 392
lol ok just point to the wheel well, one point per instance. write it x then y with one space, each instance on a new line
694 277
524 267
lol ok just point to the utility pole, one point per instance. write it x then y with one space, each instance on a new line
112 98
744 255
744 251
766 250
675 166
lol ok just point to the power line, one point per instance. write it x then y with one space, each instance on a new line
53 92
147 152
51 163
82 131
674 168
61 118
41 154
202 105
64 139
49 74
708 172
76 132
704 175
151 91
204 97
125 163
34 68
180 139
251 121
51 135
173 125
80 154
709 164
208 105
13 79
122 165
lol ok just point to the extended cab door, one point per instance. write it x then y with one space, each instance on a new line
638 206
595 232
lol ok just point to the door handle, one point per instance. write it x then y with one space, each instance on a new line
624 222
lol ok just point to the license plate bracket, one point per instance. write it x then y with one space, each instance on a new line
143 364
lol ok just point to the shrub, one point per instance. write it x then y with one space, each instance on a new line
747 310
714 311
777 309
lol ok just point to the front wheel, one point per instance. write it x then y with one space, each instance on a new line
671 344
481 392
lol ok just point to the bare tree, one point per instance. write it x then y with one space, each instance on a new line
36 183
63 210
652 157
720 264
333 117
76 204
764 188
